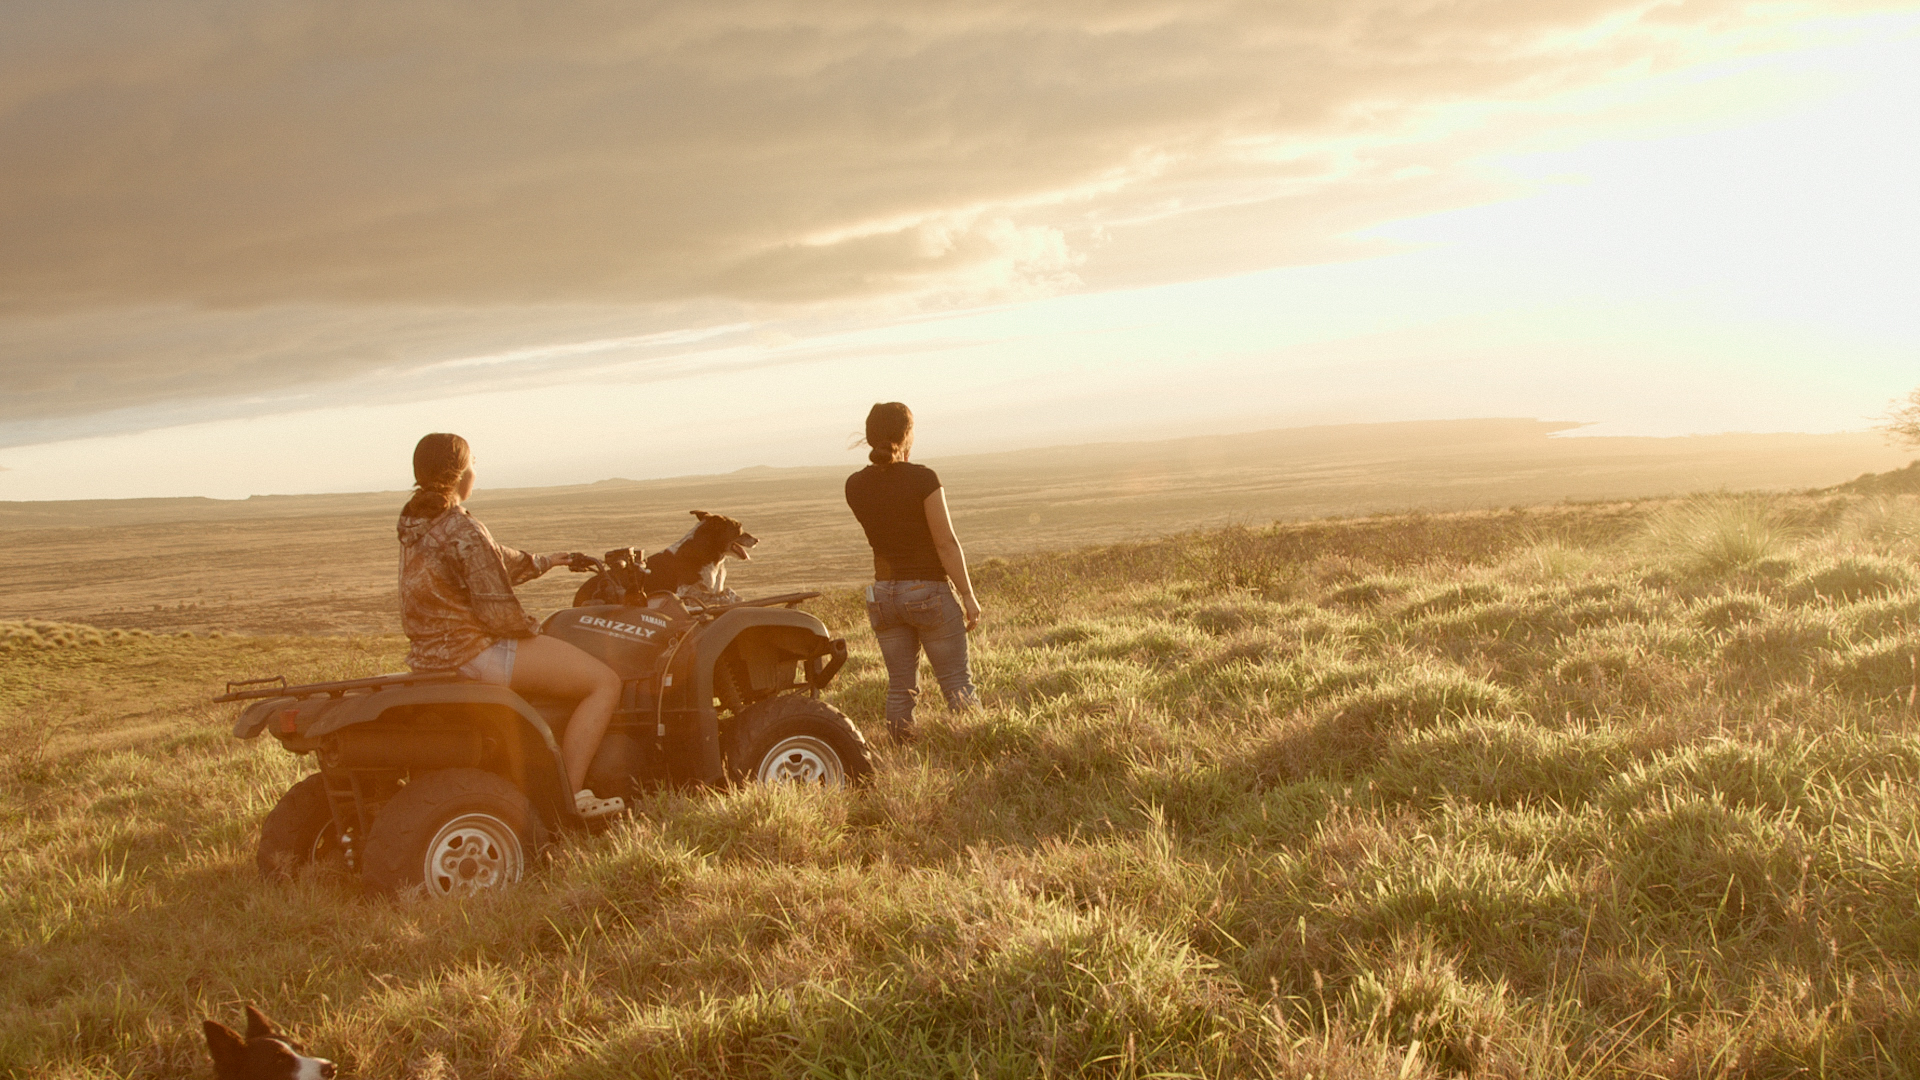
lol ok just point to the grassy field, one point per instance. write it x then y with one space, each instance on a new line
1612 790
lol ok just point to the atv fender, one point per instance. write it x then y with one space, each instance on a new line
253 719
787 632
540 771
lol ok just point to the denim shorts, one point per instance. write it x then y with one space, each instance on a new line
494 664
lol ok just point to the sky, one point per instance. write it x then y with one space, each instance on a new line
260 247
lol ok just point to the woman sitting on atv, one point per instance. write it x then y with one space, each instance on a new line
458 609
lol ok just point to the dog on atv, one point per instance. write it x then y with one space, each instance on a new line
691 567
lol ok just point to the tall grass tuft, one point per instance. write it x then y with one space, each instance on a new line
1886 670
1891 521
42 634
1418 998
1852 577
1721 533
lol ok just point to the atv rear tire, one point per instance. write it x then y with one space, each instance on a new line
452 832
796 739
298 832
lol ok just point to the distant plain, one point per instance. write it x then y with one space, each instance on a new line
325 563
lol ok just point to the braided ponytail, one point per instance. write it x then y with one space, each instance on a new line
889 432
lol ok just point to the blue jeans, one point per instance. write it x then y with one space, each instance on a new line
908 616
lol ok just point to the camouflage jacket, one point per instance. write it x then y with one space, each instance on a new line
456 589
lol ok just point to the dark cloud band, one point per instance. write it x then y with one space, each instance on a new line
218 199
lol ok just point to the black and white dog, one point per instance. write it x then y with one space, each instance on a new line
696 561
266 1053
692 566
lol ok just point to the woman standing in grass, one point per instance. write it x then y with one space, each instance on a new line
458 609
917 568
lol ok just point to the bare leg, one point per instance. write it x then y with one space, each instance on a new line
551 666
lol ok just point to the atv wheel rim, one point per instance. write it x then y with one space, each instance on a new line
473 853
802 759
327 849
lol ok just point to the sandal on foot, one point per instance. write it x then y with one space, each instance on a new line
592 806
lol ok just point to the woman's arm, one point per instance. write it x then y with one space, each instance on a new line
952 559
522 566
490 583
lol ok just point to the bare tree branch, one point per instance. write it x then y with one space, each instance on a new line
1901 423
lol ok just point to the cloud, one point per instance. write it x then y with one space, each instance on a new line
56 365
208 199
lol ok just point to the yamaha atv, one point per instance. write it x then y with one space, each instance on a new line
433 782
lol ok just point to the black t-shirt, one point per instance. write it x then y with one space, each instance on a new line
891 503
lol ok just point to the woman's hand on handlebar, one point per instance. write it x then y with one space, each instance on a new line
578 562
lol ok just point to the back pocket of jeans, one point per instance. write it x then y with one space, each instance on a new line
931 604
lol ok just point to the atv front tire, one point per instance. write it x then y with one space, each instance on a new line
452 832
796 739
298 832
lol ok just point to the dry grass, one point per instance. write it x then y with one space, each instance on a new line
1516 795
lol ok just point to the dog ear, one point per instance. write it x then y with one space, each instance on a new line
258 1023
700 515
226 1046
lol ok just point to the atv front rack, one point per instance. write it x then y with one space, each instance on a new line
256 689
792 599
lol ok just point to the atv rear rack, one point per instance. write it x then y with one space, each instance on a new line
256 689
